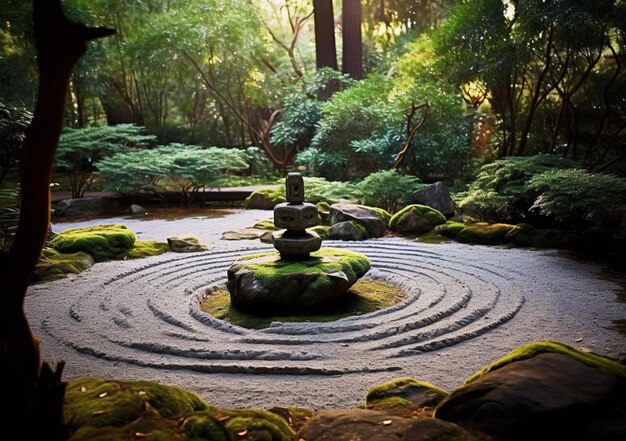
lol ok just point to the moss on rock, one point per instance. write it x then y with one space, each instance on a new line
266 225
53 265
320 230
404 394
484 234
416 220
383 214
265 198
147 248
102 242
531 350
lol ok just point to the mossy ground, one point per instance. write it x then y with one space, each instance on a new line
521 235
53 265
528 351
364 296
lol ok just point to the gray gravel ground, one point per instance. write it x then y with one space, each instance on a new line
466 306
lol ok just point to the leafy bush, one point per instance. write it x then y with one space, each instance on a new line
575 196
386 189
13 125
9 216
501 192
363 128
79 149
186 168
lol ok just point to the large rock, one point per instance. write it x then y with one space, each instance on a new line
375 220
264 199
267 281
437 196
371 425
543 391
416 220
348 230
102 242
86 207
185 244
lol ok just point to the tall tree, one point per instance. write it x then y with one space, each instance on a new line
352 41
325 48
32 391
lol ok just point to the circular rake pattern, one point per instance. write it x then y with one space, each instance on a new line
149 316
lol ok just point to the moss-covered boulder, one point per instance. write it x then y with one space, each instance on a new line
267 281
53 265
102 242
109 410
416 220
525 235
118 410
545 390
374 219
404 396
348 230
265 198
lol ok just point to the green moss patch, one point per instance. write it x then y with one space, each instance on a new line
405 396
383 214
531 350
133 406
364 296
521 235
147 248
53 265
98 409
102 242
416 220
266 225
265 198
271 269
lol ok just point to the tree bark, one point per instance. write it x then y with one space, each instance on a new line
325 48
352 42
32 395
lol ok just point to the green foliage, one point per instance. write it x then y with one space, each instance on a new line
79 149
147 248
363 128
13 125
9 216
188 169
386 189
501 191
574 196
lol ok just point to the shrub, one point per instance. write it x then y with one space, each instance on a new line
501 191
79 149
186 168
386 189
576 197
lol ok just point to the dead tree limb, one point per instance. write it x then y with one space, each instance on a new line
410 131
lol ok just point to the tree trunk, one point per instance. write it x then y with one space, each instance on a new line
325 49
352 42
32 395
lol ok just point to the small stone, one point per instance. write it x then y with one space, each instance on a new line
137 210
185 244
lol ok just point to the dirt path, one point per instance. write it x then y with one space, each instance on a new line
467 306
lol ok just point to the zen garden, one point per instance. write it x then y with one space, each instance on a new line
282 220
